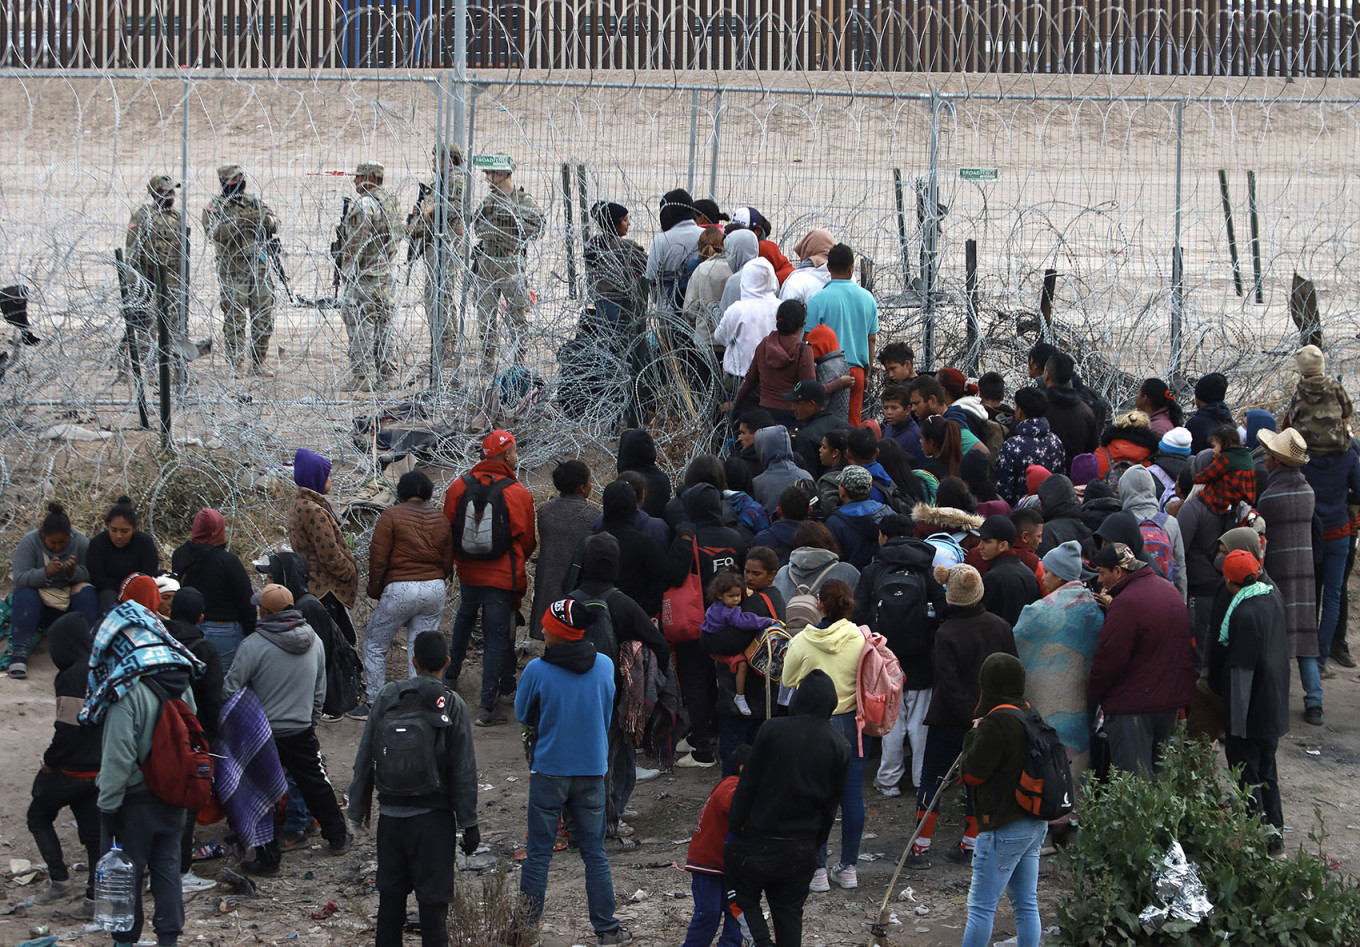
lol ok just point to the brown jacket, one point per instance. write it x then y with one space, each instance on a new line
412 542
315 533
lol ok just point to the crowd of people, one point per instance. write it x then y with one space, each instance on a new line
1116 572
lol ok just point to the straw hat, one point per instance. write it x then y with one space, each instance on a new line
1288 446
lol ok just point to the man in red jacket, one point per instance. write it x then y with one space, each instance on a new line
1143 671
493 536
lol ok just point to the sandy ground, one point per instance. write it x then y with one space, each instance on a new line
1319 767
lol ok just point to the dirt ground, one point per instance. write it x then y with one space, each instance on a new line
1319 767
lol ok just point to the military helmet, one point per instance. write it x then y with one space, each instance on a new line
161 185
226 172
369 169
448 150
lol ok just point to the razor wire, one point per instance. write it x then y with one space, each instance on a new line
1080 185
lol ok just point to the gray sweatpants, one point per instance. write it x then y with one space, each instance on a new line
419 605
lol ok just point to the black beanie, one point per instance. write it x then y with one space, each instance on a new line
187 605
1212 387
608 215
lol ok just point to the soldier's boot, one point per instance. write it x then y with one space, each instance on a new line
259 358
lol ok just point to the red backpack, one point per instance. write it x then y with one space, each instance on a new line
878 688
179 769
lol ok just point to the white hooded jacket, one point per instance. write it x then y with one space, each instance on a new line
750 318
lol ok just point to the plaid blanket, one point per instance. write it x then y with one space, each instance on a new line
130 642
247 777
650 707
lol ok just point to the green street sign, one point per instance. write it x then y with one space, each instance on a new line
978 174
492 163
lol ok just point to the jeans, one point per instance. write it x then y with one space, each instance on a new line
1311 680
852 794
297 818
226 637
732 733
1257 759
909 729
1006 859
149 831
52 791
495 606
584 798
29 614
1334 553
710 910
1136 740
621 779
780 869
416 854
417 606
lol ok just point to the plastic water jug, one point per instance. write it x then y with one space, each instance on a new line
115 891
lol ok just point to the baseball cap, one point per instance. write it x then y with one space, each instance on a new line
497 443
748 217
167 583
1239 565
997 526
857 482
807 391
273 598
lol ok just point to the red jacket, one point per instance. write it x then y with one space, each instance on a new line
1144 661
706 848
507 572
769 250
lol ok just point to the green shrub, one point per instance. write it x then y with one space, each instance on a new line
1130 822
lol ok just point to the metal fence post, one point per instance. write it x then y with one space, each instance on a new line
931 237
182 293
974 329
438 275
713 160
693 136
1177 273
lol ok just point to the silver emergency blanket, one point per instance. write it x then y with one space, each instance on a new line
1180 891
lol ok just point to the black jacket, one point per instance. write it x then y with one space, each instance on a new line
792 782
965 639
1251 670
720 547
1008 587
208 687
1072 421
221 578
641 562
1204 422
736 641
291 570
637 451
630 622
778 537
809 440
913 646
109 565
1100 504
1062 516
74 748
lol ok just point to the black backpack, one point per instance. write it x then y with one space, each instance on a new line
1045 787
901 603
599 626
410 742
481 527
895 499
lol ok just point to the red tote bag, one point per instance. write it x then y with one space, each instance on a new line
682 608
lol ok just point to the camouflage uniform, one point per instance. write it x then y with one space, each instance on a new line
240 226
153 247
505 223
440 274
1320 409
372 230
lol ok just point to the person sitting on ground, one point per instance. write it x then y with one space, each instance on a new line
51 579
792 511
1158 402
1320 408
117 552
1211 411
725 593
833 371
855 522
1230 478
1126 443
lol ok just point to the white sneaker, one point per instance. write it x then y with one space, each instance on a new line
683 746
689 762
647 775
889 791
740 701
845 876
191 882
819 881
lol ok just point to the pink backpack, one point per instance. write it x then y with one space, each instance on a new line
878 688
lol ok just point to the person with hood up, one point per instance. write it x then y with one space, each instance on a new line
781 360
1320 409
567 696
747 321
776 453
1138 495
51 579
1006 856
1249 669
911 642
833 646
1098 503
815 559
69 766
205 563
1069 417
284 663
1211 411
314 531
1062 515
597 588
1032 443
852 313
1008 585
642 561
1122 527
671 248
1127 442
186 610
855 522
968 635
705 544
1143 671
783 810
1287 505
810 275
134 666
742 247
637 451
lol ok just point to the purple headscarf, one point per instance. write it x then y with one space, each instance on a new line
311 470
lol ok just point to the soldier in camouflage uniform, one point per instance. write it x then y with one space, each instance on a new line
241 227
441 256
372 231
154 248
505 223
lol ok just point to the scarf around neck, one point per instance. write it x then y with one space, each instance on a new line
1244 593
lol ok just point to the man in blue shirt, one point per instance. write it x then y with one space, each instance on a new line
852 313
567 696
